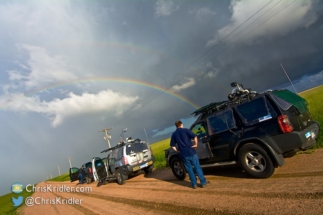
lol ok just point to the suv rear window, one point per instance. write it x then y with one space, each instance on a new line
135 147
255 111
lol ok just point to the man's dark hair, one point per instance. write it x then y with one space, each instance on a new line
178 123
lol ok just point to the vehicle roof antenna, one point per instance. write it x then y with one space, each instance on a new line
122 134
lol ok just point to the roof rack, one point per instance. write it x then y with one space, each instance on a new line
209 108
113 148
238 95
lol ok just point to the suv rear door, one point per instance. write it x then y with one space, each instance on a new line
137 152
74 174
294 106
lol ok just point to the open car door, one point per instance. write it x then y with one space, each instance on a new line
74 174
99 168
203 148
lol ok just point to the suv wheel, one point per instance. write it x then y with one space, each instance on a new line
120 178
255 161
178 168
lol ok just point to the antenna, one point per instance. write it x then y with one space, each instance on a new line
122 134
107 136
146 136
289 78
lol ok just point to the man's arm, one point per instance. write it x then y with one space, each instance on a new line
195 142
173 143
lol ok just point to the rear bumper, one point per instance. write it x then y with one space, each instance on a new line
130 169
294 140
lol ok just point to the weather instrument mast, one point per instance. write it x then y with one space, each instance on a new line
107 136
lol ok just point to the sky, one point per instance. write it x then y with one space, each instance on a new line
71 68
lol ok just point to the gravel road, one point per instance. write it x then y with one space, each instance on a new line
296 188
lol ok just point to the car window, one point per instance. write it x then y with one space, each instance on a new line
74 170
119 153
113 154
98 163
199 130
255 111
135 147
220 122
87 165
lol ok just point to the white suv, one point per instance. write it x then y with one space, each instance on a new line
125 159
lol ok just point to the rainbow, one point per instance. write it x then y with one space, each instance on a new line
115 80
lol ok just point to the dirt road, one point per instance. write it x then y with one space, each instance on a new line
296 188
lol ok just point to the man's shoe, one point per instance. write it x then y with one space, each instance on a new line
194 187
207 183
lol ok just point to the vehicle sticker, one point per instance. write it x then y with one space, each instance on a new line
144 165
313 134
265 118
308 134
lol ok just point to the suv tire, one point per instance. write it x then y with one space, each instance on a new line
255 161
178 168
120 178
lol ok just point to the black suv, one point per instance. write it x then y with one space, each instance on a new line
88 170
254 130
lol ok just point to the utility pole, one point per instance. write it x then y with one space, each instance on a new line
69 159
289 79
59 171
107 136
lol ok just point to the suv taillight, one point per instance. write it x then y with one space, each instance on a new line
125 160
89 170
285 124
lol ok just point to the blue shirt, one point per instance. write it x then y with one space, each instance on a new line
182 137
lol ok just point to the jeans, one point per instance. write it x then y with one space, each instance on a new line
81 177
189 163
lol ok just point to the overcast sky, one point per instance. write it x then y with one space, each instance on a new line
71 68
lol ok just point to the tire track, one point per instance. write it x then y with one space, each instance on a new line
78 207
163 207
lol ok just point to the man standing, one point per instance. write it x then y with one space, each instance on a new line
182 137
81 175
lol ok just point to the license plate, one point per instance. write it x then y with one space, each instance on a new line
308 134
144 165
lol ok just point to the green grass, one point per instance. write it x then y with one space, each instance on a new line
315 99
158 151
64 177
6 206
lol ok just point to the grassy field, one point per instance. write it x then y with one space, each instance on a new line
6 206
64 177
315 99
158 150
